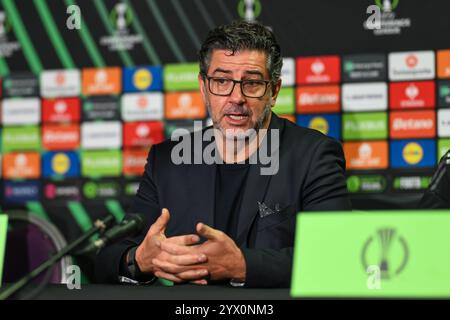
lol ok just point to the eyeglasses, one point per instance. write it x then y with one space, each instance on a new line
249 88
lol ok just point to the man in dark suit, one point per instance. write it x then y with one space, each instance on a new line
437 196
231 219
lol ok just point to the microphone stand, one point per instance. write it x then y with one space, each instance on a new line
99 225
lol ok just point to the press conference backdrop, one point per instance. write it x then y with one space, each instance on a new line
81 107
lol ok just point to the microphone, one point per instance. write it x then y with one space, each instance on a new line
128 227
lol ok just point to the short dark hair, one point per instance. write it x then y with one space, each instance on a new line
243 35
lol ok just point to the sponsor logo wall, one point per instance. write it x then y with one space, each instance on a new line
85 134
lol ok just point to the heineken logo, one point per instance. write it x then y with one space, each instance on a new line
386 249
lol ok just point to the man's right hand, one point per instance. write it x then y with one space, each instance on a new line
149 249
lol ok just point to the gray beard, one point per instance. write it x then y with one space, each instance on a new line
248 134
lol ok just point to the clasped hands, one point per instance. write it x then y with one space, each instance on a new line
182 259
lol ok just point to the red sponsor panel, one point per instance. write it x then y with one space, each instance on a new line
61 110
315 70
134 161
318 99
413 124
410 95
61 137
142 134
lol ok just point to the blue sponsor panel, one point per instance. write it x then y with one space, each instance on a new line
61 164
145 78
20 192
413 153
328 124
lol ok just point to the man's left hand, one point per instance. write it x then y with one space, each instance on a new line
224 260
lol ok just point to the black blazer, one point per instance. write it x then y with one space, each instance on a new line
437 196
310 178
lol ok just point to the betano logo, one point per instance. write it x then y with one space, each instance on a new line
417 124
314 70
60 137
412 153
318 99
134 162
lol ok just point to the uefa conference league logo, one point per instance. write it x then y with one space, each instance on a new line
383 20
387 251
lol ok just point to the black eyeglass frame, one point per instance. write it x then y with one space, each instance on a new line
241 84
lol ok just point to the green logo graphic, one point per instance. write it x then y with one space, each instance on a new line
387 5
348 66
362 126
101 163
131 188
366 184
411 183
21 139
249 10
353 184
387 250
121 16
90 190
443 147
285 102
5 24
181 76
444 91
